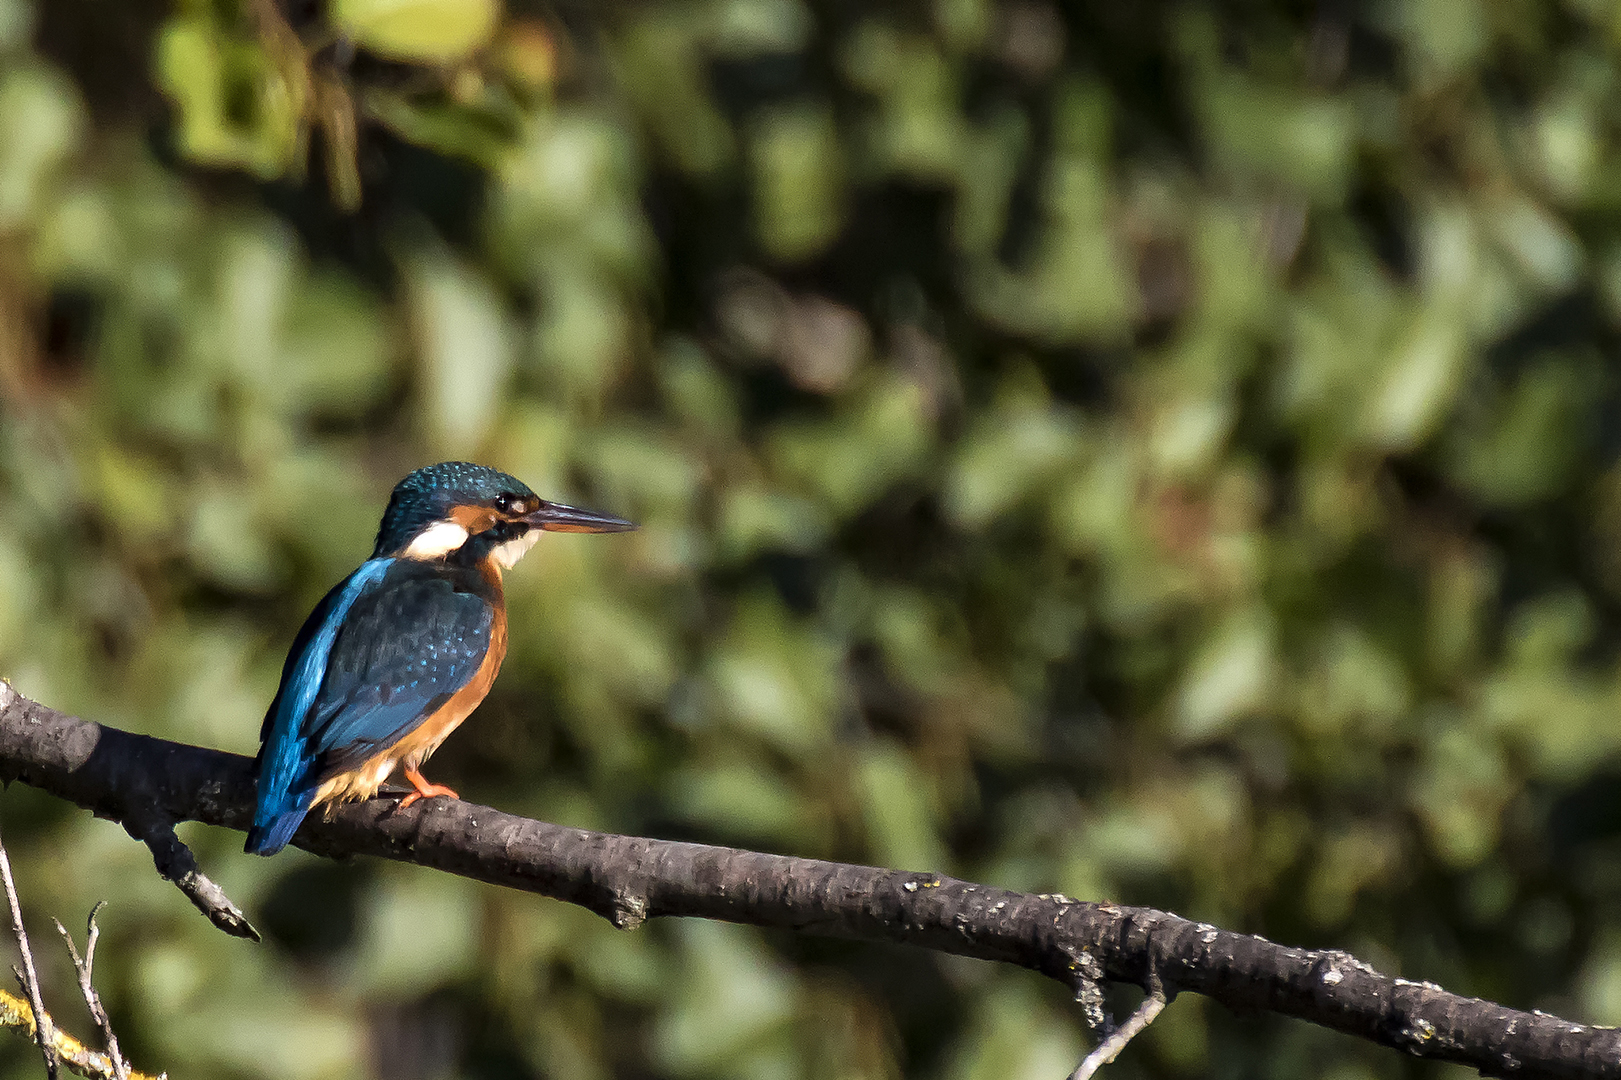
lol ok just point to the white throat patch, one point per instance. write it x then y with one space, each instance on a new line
509 553
437 541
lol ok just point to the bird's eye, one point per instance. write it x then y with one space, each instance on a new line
504 502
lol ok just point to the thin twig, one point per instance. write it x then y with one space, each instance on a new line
1110 1048
92 1000
16 1013
44 1034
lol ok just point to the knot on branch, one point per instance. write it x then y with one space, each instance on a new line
1332 966
628 910
1116 1041
1086 978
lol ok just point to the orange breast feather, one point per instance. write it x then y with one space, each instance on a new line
362 781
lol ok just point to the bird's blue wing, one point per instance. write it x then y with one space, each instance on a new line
377 656
404 649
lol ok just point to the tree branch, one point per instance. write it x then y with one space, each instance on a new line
629 879
15 1012
85 968
1116 1041
176 863
27 976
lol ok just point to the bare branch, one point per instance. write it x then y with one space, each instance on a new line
92 1000
44 1035
176 863
629 879
16 1013
1110 1048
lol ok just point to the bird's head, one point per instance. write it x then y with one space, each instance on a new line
455 506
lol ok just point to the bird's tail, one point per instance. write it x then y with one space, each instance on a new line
273 827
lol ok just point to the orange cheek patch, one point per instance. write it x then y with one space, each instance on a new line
475 519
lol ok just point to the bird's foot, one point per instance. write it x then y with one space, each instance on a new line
424 789
432 790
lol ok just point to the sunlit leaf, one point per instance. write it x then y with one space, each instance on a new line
423 31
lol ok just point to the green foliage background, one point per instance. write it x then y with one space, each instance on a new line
1154 451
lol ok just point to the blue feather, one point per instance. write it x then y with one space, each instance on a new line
427 495
379 655
284 790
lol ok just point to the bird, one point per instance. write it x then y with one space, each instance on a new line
398 654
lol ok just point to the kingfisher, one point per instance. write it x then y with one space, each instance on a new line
403 649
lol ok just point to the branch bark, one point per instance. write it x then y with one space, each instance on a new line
119 775
1110 1047
27 976
16 1013
85 968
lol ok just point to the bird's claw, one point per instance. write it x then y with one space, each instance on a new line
423 789
426 792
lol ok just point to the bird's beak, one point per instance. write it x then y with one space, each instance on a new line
555 517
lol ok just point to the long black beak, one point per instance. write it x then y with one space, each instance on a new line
555 517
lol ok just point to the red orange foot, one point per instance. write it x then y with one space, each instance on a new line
424 790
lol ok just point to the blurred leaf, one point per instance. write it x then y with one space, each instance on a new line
881 436
1358 685
418 931
795 157
1423 374
743 801
338 358
753 519
1231 676
1545 249
1447 36
753 27
1074 288
733 999
775 678
236 107
1523 445
479 135
1011 453
1013 1038
40 124
227 541
467 353
16 20
1349 863
1305 142
643 468
661 66
898 809
1600 983
423 31
18 597
1459 795
628 653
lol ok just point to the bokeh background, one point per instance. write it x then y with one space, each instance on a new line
1158 451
